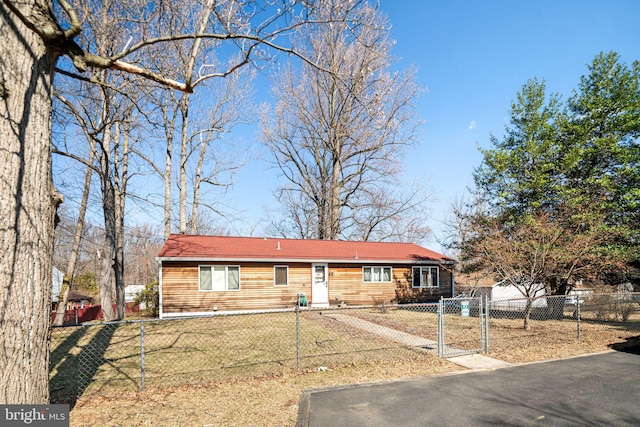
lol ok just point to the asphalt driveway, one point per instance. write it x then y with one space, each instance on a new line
595 390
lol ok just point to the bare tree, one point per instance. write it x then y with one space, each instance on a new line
549 250
28 203
104 117
36 36
206 158
67 282
230 105
337 137
143 242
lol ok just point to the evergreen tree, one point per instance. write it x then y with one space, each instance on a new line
577 165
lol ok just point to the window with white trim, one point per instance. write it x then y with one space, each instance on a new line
219 278
376 274
426 277
281 275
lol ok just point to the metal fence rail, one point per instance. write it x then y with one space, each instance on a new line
172 352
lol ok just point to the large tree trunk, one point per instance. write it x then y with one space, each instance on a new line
113 183
28 203
105 282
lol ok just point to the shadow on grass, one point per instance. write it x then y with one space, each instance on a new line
63 385
631 345
76 371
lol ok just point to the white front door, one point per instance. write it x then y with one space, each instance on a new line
320 286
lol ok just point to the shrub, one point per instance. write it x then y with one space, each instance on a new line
150 297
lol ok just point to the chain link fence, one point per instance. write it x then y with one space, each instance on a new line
560 319
132 355
462 326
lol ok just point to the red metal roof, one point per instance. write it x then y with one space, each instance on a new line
186 247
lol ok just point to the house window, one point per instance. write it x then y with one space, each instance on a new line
376 274
281 275
219 278
426 277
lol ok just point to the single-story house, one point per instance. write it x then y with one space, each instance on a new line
204 274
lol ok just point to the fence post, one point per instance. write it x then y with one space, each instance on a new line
481 320
487 312
298 336
141 355
440 327
578 316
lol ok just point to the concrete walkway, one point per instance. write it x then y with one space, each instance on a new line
478 361
470 361
383 331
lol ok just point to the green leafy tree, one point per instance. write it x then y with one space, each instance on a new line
569 171
87 283
602 160
518 176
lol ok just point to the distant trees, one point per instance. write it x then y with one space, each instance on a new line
338 137
557 198
142 243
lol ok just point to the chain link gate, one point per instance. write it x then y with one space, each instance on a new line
462 326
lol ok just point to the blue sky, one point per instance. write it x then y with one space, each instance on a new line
473 57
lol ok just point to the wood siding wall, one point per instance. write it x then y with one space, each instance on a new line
180 292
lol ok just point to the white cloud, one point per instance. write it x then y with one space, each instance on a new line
472 125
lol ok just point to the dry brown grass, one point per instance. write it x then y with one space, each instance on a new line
273 399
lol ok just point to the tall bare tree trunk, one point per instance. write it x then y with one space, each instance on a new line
113 202
184 107
120 195
193 221
184 155
77 237
167 185
107 256
28 205
335 190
